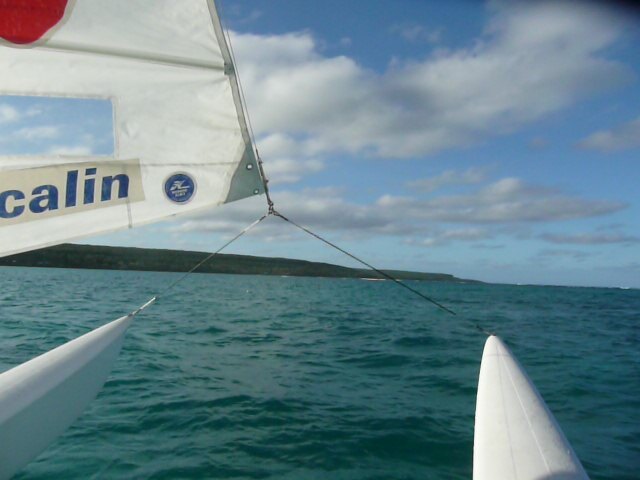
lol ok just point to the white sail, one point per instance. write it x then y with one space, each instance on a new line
181 140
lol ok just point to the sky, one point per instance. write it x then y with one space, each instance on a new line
498 140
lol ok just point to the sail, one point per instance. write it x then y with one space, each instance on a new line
181 141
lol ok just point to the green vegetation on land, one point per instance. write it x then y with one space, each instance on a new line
147 259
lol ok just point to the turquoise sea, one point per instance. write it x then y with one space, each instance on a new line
306 378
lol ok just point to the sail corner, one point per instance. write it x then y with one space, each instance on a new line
247 180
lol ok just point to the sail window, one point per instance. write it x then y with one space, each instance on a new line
39 125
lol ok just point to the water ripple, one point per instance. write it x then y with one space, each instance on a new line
294 378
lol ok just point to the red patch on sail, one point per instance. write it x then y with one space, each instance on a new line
26 21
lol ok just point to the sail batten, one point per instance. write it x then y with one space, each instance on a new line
133 55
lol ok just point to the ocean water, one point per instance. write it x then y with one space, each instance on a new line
306 378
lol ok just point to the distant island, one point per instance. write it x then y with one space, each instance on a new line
158 260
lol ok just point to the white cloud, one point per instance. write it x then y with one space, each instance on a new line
77 150
505 204
239 16
279 144
446 237
288 170
548 255
287 162
415 33
35 110
449 177
620 138
30 134
322 208
508 200
590 238
45 132
8 114
534 59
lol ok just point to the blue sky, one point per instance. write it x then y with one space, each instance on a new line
496 141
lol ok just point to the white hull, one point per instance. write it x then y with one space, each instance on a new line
39 399
516 435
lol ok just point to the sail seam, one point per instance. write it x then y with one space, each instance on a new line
132 55
68 160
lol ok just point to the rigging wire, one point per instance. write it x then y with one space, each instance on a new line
209 257
275 213
250 133
270 204
195 267
247 118
381 272
271 208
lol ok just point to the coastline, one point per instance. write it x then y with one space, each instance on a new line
160 260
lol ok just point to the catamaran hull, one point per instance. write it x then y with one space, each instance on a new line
39 399
516 435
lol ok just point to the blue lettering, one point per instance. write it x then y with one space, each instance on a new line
89 186
44 198
4 198
72 189
46 201
107 186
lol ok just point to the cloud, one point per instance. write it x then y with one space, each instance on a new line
279 144
508 200
327 209
237 15
534 59
415 33
552 254
501 207
253 16
449 177
288 170
78 150
30 135
484 246
323 209
34 111
45 132
8 114
590 238
446 237
287 162
623 137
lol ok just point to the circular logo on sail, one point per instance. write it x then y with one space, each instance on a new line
180 187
